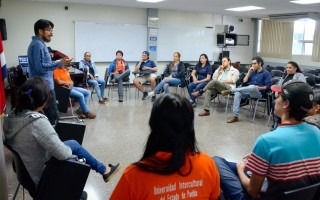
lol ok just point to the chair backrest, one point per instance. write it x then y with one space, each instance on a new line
243 69
62 180
317 71
269 68
310 78
310 71
310 192
62 97
23 175
281 68
276 73
70 131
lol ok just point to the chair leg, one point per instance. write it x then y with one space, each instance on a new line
16 192
226 110
255 109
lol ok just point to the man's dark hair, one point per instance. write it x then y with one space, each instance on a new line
172 131
42 24
259 60
119 51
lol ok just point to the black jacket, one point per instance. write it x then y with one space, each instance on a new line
180 75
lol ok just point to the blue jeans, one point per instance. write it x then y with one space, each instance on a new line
82 95
95 84
250 91
81 152
229 180
195 88
165 85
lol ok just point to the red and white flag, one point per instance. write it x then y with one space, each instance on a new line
3 75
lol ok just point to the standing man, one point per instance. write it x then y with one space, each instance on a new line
258 80
40 63
93 76
224 78
287 157
147 70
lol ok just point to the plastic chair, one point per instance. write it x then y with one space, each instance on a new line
311 192
269 68
310 71
276 73
281 68
59 180
311 79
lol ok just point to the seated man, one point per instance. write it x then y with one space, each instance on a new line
224 78
258 80
62 77
287 157
147 70
93 77
119 71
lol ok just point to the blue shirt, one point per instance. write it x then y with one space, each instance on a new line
262 78
40 63
202 72
148 63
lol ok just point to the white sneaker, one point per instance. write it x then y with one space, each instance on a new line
150 94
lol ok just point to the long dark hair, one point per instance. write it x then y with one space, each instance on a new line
172 63
32 94
199 63
295 65
172 131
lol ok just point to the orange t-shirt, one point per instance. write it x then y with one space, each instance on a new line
202 183
62 74
120 65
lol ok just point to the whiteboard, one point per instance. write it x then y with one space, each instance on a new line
189 41
104 39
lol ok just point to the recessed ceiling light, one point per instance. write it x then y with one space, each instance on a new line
150 1
306 1
245 8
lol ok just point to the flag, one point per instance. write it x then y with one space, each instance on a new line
3 75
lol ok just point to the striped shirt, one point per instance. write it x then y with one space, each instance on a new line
288 157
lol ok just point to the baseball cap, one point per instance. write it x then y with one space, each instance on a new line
146 52
299 94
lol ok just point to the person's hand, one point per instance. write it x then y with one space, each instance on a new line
195 81
241 166
166 79
251 69
246 158
91 77
71 84
66 61
221 67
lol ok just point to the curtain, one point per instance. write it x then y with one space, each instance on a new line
276 39
316 43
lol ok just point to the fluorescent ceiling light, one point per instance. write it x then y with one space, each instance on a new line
150 1
306 1
245 8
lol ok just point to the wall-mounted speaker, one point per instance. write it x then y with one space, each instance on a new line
3 29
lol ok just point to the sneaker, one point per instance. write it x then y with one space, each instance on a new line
194 105
204 113
120 98
153 98
114 169
233 119
105 99
196 94
101 101
151 94
225 92
145 95
90 115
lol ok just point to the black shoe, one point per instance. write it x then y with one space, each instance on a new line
214 96
145 95
244 102
153 98
120 98
114 169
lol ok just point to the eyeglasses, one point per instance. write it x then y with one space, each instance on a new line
48 29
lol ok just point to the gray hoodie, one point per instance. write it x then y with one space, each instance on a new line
32 136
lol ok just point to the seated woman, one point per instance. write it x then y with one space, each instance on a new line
174 75
30 133
172 167
201 75
293 72
119 71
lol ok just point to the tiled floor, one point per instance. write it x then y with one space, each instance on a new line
119 133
